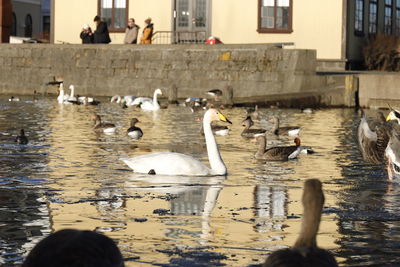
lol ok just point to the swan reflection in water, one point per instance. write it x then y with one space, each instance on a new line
193 196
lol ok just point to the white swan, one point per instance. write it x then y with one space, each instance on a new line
62 97
80 99
170 163
152 105
128 99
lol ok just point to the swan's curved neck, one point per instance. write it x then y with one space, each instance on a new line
72 91
155 102
216 163
313 201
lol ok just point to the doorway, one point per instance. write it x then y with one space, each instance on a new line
191 20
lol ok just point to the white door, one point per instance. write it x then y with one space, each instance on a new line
191 20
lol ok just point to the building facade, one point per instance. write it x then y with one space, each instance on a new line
336 29
31 18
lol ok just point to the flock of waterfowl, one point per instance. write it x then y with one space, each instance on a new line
378 141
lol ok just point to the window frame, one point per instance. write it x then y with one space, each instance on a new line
359 32
111 27
397 18
385 26
375 25
275 30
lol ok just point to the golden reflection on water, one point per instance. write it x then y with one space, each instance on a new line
243 216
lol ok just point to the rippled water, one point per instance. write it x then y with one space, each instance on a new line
68 176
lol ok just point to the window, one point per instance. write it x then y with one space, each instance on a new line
359 18
275 16
115 13
14 25
388 17
397 26
28 26
373 11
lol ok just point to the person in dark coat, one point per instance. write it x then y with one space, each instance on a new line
101 35
86 35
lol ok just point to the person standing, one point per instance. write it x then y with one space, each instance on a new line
101 35
131 32
86 34
147 32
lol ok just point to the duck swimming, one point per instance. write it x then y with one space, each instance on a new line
170 163
251 133
279 153
286 130
305 252
133 131
99 126
21 138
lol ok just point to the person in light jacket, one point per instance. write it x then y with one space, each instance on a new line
131 32
147 32
101 35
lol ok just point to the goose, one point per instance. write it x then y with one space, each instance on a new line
99 126
373 143
305 251
251 133
170 163
253 113
279 153
287 130
133 131
21 138
153 105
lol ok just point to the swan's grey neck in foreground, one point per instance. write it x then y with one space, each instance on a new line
305 251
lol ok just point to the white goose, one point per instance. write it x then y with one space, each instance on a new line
152 105
170 163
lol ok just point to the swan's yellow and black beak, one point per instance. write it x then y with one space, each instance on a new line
221 117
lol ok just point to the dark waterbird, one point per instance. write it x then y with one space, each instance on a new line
305 251
21 138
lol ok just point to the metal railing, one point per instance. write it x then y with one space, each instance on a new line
179 37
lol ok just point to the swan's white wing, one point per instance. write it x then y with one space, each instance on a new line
167 163
140 100
149 106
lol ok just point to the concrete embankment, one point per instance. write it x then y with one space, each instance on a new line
256 73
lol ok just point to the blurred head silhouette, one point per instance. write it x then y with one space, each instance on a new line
70 247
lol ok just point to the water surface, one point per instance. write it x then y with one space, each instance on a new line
70 177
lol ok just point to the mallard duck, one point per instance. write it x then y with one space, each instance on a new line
21 138
305 251
99 126
170 163
279 153
133 131
152 105
251 133
286 130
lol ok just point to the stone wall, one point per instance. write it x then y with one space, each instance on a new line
253 71
378 90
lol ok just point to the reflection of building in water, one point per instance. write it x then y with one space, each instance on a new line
270 207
